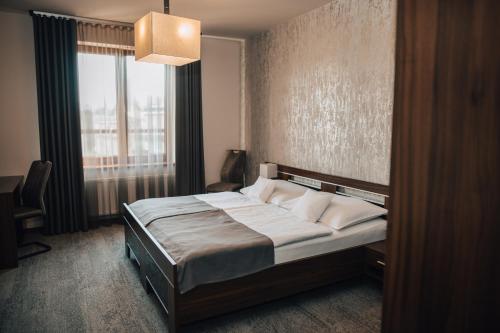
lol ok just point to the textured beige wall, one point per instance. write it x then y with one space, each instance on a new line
220 65
320 91
19 141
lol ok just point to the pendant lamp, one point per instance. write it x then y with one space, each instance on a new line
167 39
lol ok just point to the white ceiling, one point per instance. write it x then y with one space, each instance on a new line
235 18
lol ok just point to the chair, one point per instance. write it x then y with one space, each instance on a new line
232 173
32 202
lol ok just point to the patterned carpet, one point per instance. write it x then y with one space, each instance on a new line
86 284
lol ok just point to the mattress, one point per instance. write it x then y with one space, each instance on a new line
294 239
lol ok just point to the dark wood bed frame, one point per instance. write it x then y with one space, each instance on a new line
158 271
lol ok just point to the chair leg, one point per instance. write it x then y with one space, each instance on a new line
46 248
19 232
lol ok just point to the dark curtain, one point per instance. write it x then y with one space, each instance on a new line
189 158
59 122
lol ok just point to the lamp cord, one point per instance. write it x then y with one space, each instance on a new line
166 6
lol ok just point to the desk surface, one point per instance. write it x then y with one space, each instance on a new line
8 184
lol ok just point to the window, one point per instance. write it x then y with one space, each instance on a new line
122 106
127 112
146 117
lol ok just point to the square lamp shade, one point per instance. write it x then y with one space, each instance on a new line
268 170
167 39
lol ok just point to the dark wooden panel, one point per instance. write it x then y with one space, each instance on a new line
329 188
9 192
9 184
353 183
443 251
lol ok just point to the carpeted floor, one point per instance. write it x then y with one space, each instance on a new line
86 284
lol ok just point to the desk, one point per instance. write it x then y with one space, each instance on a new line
10 190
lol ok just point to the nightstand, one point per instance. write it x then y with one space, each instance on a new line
375 260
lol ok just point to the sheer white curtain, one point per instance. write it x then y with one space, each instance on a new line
127 120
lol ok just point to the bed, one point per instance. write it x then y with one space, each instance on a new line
300 263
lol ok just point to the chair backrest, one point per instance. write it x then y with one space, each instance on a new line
234 167
36 182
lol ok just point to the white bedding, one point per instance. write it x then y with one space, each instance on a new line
228 200
357 235
294 239
277 223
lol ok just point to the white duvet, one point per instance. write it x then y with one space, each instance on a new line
277 223
281 226
228 200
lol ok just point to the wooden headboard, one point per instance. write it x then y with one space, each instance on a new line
335 184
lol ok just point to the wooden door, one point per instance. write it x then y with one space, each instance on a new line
444 237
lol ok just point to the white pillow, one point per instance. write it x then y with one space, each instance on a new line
285 191
262 189
245 190
311 205
346 211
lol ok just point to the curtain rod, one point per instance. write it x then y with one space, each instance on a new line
92 20
80 18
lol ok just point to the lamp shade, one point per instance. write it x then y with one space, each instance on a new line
167 39
268 170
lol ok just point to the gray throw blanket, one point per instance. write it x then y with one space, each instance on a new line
205 242
150 210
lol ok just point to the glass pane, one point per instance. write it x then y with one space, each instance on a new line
145 109
100 144
96 74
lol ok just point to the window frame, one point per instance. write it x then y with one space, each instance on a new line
123 159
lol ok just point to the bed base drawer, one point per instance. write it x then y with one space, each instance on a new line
151 277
